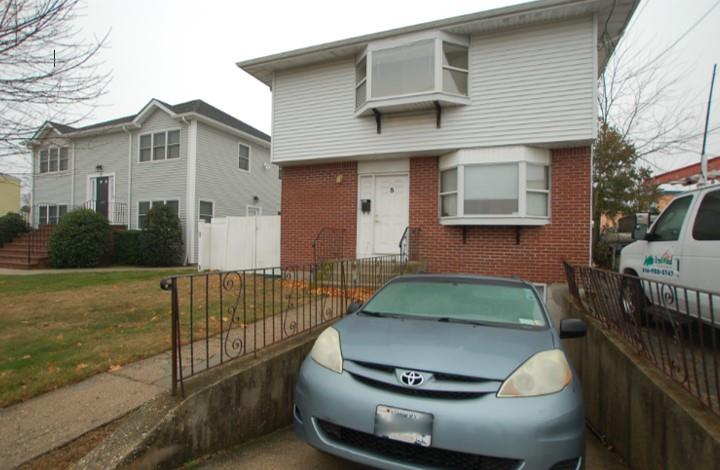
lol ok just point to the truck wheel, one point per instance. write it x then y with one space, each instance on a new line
634 302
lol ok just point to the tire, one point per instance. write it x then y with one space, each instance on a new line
633 300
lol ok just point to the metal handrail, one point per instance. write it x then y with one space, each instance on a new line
328 244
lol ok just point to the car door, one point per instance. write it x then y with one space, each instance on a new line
700 260
663 248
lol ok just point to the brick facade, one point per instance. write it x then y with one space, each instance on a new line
493 250
325 195
315 197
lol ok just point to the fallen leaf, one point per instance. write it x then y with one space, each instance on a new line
81 366
114 368
53 369
60 337
27 356
154 318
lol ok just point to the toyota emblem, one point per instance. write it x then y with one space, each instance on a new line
412 378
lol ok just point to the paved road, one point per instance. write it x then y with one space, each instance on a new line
282 450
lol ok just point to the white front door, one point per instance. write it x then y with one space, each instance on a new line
391 213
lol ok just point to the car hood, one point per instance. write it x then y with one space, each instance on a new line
452 348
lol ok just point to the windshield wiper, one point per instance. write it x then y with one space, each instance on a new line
467 322
373 314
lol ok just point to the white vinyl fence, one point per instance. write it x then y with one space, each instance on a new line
232 243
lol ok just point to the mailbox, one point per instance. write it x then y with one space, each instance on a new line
365 206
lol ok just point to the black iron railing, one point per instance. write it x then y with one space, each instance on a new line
217 317
328 245
676 328
409 244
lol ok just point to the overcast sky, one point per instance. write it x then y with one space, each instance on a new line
182 50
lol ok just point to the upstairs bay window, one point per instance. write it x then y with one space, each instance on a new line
428 70
505 186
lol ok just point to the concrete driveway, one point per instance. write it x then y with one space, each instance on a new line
282 450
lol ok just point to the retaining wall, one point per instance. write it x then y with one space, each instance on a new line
646 417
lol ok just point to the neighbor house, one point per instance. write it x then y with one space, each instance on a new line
673 182
471 135
9 194
195 158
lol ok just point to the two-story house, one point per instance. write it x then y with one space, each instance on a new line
474 133
191 156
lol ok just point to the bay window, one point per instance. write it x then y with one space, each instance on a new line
430 70
501 186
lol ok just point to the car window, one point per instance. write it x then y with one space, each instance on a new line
472 301
707 221
670 222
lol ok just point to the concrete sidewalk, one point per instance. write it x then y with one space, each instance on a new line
49 421
110 269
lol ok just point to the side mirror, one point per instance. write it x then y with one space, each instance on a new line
354 307
639 232
650 237
572 328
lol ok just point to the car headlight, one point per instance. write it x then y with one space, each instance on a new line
326 350
544 373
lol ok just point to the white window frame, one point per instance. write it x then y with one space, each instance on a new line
152 145
448 193
247 210
151 201
212 215
437 93
249 157
522 156
47 206
48 151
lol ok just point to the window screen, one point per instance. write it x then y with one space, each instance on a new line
206 211
491 189
403 70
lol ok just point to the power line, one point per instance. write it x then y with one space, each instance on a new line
683 35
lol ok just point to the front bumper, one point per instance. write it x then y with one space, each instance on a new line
521 433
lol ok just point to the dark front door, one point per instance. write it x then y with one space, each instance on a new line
102 198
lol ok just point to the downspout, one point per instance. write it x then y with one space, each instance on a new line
72 178
190 191
129 188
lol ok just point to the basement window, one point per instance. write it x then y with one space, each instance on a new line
504 186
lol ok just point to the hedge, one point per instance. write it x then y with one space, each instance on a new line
126 244
161 238
80 240
11 225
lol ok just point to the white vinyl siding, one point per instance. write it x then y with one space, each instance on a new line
527 86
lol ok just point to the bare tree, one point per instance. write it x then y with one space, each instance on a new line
47 71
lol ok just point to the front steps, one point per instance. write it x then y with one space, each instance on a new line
28 250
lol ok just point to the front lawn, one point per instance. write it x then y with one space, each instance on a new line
61 328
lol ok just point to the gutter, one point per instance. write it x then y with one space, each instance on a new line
129 188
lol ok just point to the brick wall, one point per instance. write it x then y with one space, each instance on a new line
314 197
493 250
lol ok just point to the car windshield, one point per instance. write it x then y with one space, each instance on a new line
459 301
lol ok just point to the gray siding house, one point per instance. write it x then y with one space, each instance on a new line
192 156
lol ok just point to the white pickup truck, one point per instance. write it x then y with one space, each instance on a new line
682 247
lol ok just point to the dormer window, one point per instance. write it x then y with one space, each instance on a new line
427 70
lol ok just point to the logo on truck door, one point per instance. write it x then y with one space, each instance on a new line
659 265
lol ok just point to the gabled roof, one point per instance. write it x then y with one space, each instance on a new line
613 17
197 108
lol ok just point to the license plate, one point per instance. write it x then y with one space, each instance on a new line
403 425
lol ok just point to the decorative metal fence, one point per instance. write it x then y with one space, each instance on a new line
221 316
676 328
410 244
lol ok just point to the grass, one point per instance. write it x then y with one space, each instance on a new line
57 329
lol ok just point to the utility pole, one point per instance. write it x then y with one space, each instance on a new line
703 157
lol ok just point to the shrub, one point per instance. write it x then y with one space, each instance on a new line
126 244
11 225
80 240
161 238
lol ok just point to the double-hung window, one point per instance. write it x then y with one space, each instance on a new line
145 206
54 159
50 214
504 186
243 157
164 145
431 69
206 211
